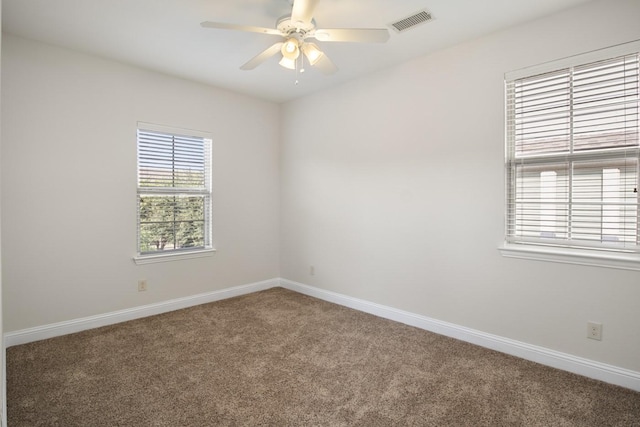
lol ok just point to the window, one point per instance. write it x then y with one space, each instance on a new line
572 153
174 191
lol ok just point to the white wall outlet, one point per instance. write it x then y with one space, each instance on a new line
142 285
312 270
594 330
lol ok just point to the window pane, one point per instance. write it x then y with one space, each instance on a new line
542 113
540 201
155 208
190 234
171 222
605 201
190 208
605 104
189 162
157 236
171 160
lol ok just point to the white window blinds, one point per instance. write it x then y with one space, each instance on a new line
174 191
572 156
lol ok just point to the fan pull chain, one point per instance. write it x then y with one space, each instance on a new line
299 68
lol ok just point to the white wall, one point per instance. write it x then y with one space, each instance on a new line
69 184
396 196
3 384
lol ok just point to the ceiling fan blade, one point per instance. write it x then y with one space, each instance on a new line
263 56
223 26
303 11
366 35
325 65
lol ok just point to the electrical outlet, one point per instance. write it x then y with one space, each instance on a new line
312 270
142 285
594 331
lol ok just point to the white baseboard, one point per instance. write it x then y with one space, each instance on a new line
76 325
555 359
585 367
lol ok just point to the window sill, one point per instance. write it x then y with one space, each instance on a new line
175 256
572 256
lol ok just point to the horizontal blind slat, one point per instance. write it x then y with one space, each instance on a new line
588 115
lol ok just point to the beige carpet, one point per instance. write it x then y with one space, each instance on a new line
283 359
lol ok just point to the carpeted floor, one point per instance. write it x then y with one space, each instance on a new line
283 359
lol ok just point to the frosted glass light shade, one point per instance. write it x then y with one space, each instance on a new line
290 49
312 52
288 63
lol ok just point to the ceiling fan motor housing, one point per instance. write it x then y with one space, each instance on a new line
299 29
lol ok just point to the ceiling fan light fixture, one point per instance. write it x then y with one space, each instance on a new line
290 49
293 30
288 63
312 52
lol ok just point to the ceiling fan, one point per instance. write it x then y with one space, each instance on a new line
295 30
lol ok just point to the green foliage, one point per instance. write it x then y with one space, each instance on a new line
171 222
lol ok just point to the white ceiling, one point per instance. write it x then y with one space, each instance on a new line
165 35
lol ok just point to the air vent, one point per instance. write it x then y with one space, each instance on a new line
411 21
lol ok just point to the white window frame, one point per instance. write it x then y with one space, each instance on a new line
183 253
514 248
